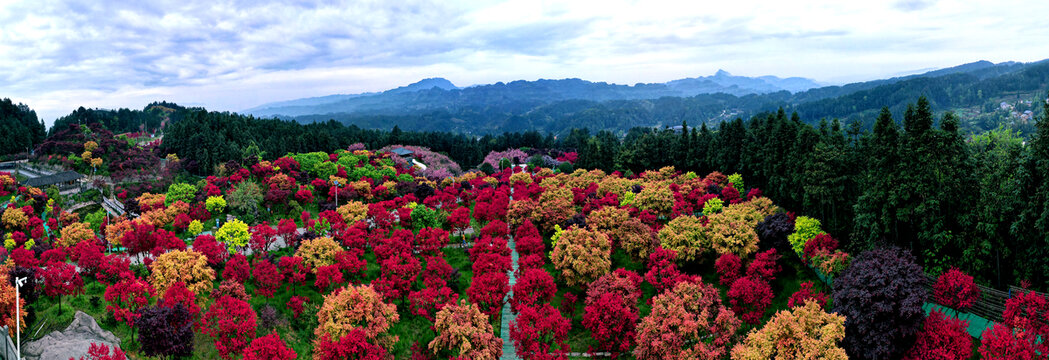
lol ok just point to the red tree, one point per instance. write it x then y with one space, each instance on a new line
496 228
231 322
397 275
237 269
820 242
287 230
622 282
749 298
267 278
729 268
213 250
1003 343
62 279
176 294
459 219
488 291
353 345
527 240
611 321
113 268
101 352
126 297
88 256
805 294
539 333
1029 312
956 290
57 255
269 347
533 287
328 276
293 270
262 237
295 304
487 262
764 266
428 301
942 337
430 241
662 272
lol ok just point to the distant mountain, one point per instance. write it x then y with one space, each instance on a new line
974 91
397 100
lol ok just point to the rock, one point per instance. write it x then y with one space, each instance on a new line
71 343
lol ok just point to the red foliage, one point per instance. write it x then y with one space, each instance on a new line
488 291
397 275
459 219
288 230
293 270
177 293
611 321
327 277
621 282
749 298
295 304
164 240
262 237
437 270
1029 312
232 289
141 238
400 242
533 287
24 257
539 333
88 256
237 269
730 195
805 294
56 255
764 266
820 242
126 297
1002 343
267 278
489 245
729 268
430 241
487 263
942 337
753 193
351 263
353 345
269 347
527 239
496 228
113 268
304 195
955 289
534 261
428 301
662 271
231 322
101 352
212 249
568 302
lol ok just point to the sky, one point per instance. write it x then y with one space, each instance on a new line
230 55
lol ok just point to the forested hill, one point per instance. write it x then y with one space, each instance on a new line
974 91
19 128
150 119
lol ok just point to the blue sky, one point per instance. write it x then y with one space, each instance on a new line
236 54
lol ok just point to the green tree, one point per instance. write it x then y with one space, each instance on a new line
180 192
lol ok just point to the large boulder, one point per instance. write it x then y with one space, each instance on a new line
71 343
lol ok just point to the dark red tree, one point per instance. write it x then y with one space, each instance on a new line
61 279
820 242
166 331
269 347
533 287
729 268
267 278
749 298
293 270
397 275
353 345
1029 312
611 321
262 238
956 290
488 291
327 277
212 249
805 294
539 333
430 241
237 269
231 322
1003 343
942 337
764 266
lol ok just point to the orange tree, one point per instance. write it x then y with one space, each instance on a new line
581 256
189 267
688 322
463 331
318 252
355 308
805 332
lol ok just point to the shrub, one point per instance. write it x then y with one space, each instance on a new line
881 295
805 294
805 228
685 236
662 272
539 333
805 332
267 278
729 268
687 322
764 266
126 297
750 297
611 320
581 256
727 233
237 269
356 308
955 289
464 332
166 331
1003 343
214 251
488 291
231 322
1029 312
820 242
189 267
318 252
233 234
533 287
942 337
621 282
269 347
774 231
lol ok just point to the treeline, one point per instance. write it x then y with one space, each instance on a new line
496 109
977 203
151 118
19 128
206 139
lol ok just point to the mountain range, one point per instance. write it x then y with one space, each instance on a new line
973 90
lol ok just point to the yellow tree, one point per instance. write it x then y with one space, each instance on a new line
686 236
318 252
581 256
234 234
189 267
805 332
75 233
14 218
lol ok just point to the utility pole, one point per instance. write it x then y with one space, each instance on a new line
18 319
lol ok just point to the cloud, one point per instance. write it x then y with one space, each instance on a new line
236 54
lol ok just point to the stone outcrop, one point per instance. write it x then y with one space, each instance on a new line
71 343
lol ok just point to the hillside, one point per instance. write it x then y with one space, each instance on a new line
975 91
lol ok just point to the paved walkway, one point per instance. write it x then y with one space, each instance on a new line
508 316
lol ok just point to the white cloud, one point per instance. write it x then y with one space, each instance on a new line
231 55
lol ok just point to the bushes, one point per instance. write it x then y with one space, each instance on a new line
805 228
956 290
685 236
231 322
881 295
750 297
611 319
356 308
464 332
687 322
539 333
805 332
581 256
942 337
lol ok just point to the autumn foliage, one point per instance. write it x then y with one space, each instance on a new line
687 322
463 331
805 332
581 256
